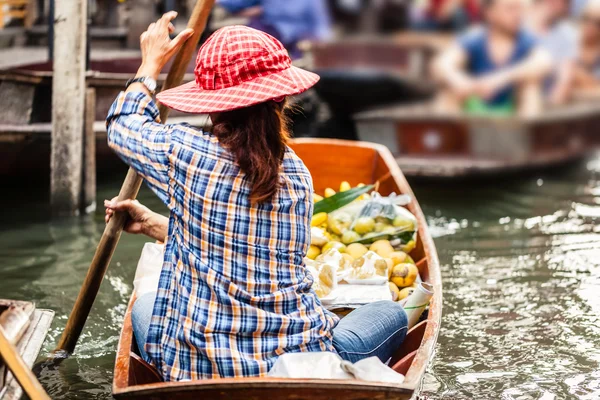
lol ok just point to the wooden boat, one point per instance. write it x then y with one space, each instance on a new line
28 331
330 161
427 143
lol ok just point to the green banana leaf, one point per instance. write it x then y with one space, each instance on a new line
340 199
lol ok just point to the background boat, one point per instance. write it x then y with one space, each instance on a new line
330 162
427 143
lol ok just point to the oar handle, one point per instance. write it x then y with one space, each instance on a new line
31 386
129 190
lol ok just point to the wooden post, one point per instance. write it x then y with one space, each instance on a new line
89 153
68 99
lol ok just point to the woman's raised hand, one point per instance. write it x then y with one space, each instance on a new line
157 46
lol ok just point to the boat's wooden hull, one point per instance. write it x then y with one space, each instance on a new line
330 162
429 144
29 347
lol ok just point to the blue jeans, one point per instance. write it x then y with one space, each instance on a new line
376 329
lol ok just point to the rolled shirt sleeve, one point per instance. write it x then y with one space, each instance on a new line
141 141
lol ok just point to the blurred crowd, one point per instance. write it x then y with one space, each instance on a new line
515 55
509 56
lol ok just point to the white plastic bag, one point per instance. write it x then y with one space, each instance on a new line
417 302
326 365
148 269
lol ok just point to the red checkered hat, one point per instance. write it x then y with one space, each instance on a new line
238 67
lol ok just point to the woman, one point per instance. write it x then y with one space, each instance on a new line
234 293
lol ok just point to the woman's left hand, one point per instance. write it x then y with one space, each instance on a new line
157 46
141 220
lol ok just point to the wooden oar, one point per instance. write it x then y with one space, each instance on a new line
129 190
31 386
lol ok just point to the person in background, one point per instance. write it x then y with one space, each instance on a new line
547 19
586 74
496 68
445 15
288 21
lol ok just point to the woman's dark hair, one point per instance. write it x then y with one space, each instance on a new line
257 137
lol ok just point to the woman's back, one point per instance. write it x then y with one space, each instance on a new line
234 293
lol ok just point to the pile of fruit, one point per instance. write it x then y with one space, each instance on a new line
360 247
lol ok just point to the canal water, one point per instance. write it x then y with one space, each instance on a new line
521 273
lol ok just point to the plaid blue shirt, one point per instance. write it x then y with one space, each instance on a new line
234 293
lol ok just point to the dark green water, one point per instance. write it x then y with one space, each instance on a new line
520 264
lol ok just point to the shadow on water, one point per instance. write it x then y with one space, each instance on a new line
521 273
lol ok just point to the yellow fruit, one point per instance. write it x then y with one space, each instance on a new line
317 198
360 185
404 274
382 248
404 293
329 192
349 237
390 267
381 267
364 225
401 222
339 222
408 247
313 252
334 245
379 244
344 186
348 257
399 257
356 250
318 219
394 290
380 226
